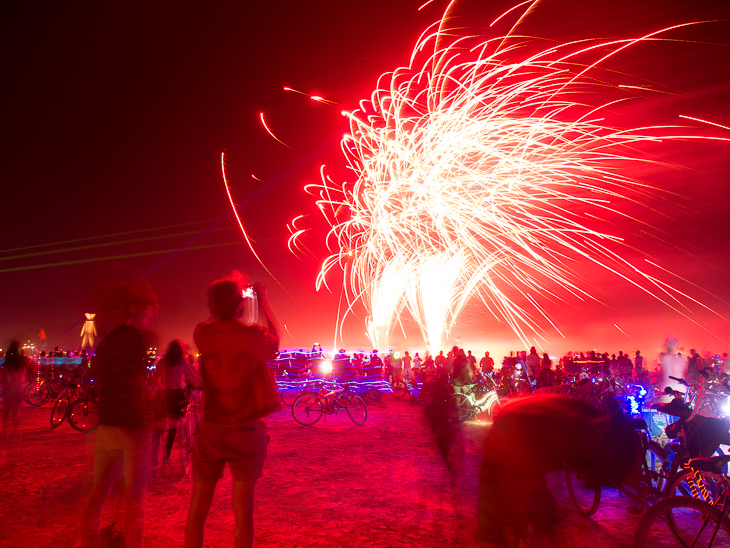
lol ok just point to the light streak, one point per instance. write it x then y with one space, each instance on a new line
481 170
268 130
238 218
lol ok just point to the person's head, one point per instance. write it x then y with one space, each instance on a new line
132 303
225 299
532 350
175 352
638 353
13 360
486 354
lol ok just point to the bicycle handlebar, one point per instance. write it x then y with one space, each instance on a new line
680 381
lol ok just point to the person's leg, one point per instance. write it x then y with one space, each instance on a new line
137 466
170 442
243 503
107 469
202 498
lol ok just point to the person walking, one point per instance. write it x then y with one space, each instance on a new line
13 374
122 438
171 373
233 365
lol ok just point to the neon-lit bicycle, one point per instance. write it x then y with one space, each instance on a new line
309 407
482 397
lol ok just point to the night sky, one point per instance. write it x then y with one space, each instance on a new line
116 115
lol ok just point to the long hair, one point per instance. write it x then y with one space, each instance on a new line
13 360
174 353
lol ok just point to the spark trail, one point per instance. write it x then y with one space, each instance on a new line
480 169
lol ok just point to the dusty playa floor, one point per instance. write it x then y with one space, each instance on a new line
334 484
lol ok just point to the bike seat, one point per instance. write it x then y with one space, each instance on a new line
712 465
675 409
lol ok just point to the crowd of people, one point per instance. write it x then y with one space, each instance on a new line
238 387
239 390
539 369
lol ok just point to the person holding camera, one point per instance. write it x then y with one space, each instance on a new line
239 391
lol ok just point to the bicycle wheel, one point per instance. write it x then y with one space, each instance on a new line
459 408
83 415
37 394
586 499
357 410
307 409
289 395
684 484
495 405
59 412
654 457
400 389
693 523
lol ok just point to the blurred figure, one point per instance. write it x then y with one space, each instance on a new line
486 363
472 360
638 360
122 438
407 364
694 366
13 375
532 363
171 373
231 353
416 367
546 377
533 436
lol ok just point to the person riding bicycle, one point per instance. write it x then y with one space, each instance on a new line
172 370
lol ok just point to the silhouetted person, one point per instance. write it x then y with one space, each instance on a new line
122 438
13 375
486 363
546 377
230 353
171 373
533 436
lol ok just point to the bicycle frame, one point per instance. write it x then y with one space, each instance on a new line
334 398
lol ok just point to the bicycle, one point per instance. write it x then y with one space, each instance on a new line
482 397
289 391
399 388
62 403
698 520
45 387
188 427
309 408
83 412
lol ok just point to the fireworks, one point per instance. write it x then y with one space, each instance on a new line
482 170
